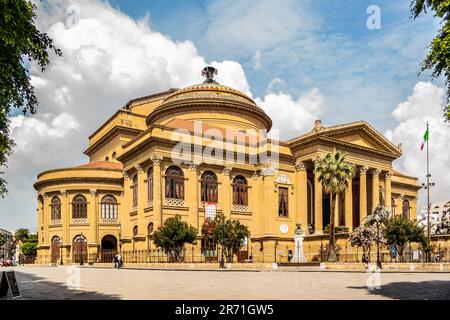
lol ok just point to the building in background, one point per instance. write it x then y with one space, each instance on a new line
7 250
439 217
134 180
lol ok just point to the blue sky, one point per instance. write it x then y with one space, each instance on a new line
360 72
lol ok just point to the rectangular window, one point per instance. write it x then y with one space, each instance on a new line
283 202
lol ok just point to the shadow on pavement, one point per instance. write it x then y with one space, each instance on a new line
33 287
425 290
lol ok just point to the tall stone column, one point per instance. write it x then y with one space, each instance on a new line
337 209
226 194
65 216
388 190
318 216
375 189
362 194
302 194
45 217
349 205
193 202
93 217
157 190
126 207
142 199
270 199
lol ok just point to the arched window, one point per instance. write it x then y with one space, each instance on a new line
135 231
283 202
405 209
393 207
240 191
134 187
56 209
107 159
150 184
110 207
114 155
209 187
150 228
174 183
56 240
79 207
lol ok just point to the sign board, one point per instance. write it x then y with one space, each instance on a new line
210 211
8 284
415 255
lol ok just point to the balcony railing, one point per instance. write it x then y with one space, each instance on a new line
79 220
174 202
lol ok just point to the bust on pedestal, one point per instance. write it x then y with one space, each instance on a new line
298 238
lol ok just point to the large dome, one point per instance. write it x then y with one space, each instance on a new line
213 103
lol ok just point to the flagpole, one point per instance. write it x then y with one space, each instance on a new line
428 192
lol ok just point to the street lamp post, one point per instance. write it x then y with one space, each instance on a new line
120 238
380 215
222 262
82 242
61 254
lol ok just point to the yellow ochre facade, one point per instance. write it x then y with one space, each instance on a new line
135 180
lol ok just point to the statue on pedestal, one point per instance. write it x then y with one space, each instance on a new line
298 238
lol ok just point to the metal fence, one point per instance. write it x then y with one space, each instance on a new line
281 254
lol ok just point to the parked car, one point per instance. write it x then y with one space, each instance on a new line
5 263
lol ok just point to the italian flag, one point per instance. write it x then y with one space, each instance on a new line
425 139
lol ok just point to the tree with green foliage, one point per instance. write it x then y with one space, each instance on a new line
29 248
438 58
334 173
173 235
22 234
21 43
400 231
230 233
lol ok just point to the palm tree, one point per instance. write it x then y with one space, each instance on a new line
334 173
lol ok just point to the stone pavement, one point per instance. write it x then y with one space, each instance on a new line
95 283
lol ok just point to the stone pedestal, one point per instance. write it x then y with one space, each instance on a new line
298 254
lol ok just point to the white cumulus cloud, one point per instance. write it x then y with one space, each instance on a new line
425 104
300 114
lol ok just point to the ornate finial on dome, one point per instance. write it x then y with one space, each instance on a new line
209 73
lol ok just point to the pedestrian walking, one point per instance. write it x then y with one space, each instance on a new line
116 261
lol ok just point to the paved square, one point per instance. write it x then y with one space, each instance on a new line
52 283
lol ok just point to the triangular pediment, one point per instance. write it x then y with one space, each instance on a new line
362 135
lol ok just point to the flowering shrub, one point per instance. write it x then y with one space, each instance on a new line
365 237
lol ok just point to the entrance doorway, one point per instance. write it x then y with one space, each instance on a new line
80 249
55 249
326 210
108 249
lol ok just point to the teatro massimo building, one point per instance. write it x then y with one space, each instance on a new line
153 159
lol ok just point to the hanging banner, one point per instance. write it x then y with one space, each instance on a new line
210 211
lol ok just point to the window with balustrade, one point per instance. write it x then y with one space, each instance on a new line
135 190
406 209
209 187
55 209
240 191
79 207
174 183
150 185
109 208
283 202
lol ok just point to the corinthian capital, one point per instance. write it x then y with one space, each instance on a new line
363 170
227 170
139 168
300 166
156 159
376 172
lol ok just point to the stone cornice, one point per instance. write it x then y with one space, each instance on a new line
83 180
211 105
109 135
